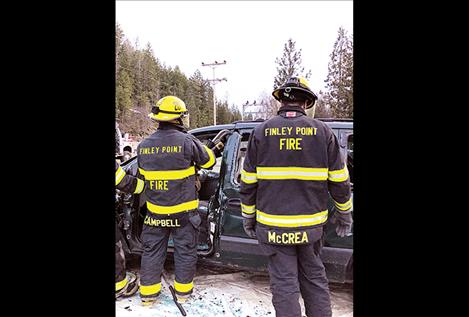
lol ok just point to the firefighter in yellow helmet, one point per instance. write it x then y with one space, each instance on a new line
292 164
168 160
126 283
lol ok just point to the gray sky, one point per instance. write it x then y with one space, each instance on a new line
249 35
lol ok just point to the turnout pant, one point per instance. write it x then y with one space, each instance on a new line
294 269
121 280
155 235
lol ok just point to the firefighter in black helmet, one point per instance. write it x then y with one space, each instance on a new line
292 164
126 283
168 160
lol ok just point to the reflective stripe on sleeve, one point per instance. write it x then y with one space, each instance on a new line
139 187
338 175
193 204
119 175
167 175
248 209
248 178
301 173
150 289
345 206
211 160
292 221
253 215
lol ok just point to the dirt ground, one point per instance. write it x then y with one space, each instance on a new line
227 293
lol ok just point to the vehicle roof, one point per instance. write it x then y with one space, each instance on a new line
331 122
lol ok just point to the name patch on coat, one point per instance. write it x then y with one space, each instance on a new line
162 222
300 237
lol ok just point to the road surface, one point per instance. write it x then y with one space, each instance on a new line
224 292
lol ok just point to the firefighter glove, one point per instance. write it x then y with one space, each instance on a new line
249 225
344 223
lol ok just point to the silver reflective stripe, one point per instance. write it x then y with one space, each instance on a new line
248 215
248 178
345 206
339 175
139 187
291 173
292 221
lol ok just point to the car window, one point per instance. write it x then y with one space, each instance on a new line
336 132
205 138
343 135
240 156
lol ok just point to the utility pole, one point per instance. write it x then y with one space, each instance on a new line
243 109
214 81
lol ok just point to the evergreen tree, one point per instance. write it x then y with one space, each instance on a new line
124 81
119 37
339 82
200 101
150 81
141 80
321 110
235 113
290 64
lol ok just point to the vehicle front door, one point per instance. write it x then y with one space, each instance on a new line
236 248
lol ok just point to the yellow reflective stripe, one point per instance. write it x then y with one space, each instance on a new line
120 285
193 204
119 175
150 289
167 175
248 209
345 206
139 187
292 221
338 175
301 173
183 288
248 178
211 159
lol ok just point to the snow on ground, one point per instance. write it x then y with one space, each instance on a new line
227 294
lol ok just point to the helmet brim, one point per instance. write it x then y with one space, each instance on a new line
310 96
164 116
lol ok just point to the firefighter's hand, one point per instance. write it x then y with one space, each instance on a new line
344 222
249 225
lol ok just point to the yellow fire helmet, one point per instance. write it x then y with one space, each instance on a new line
296 88
168 108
